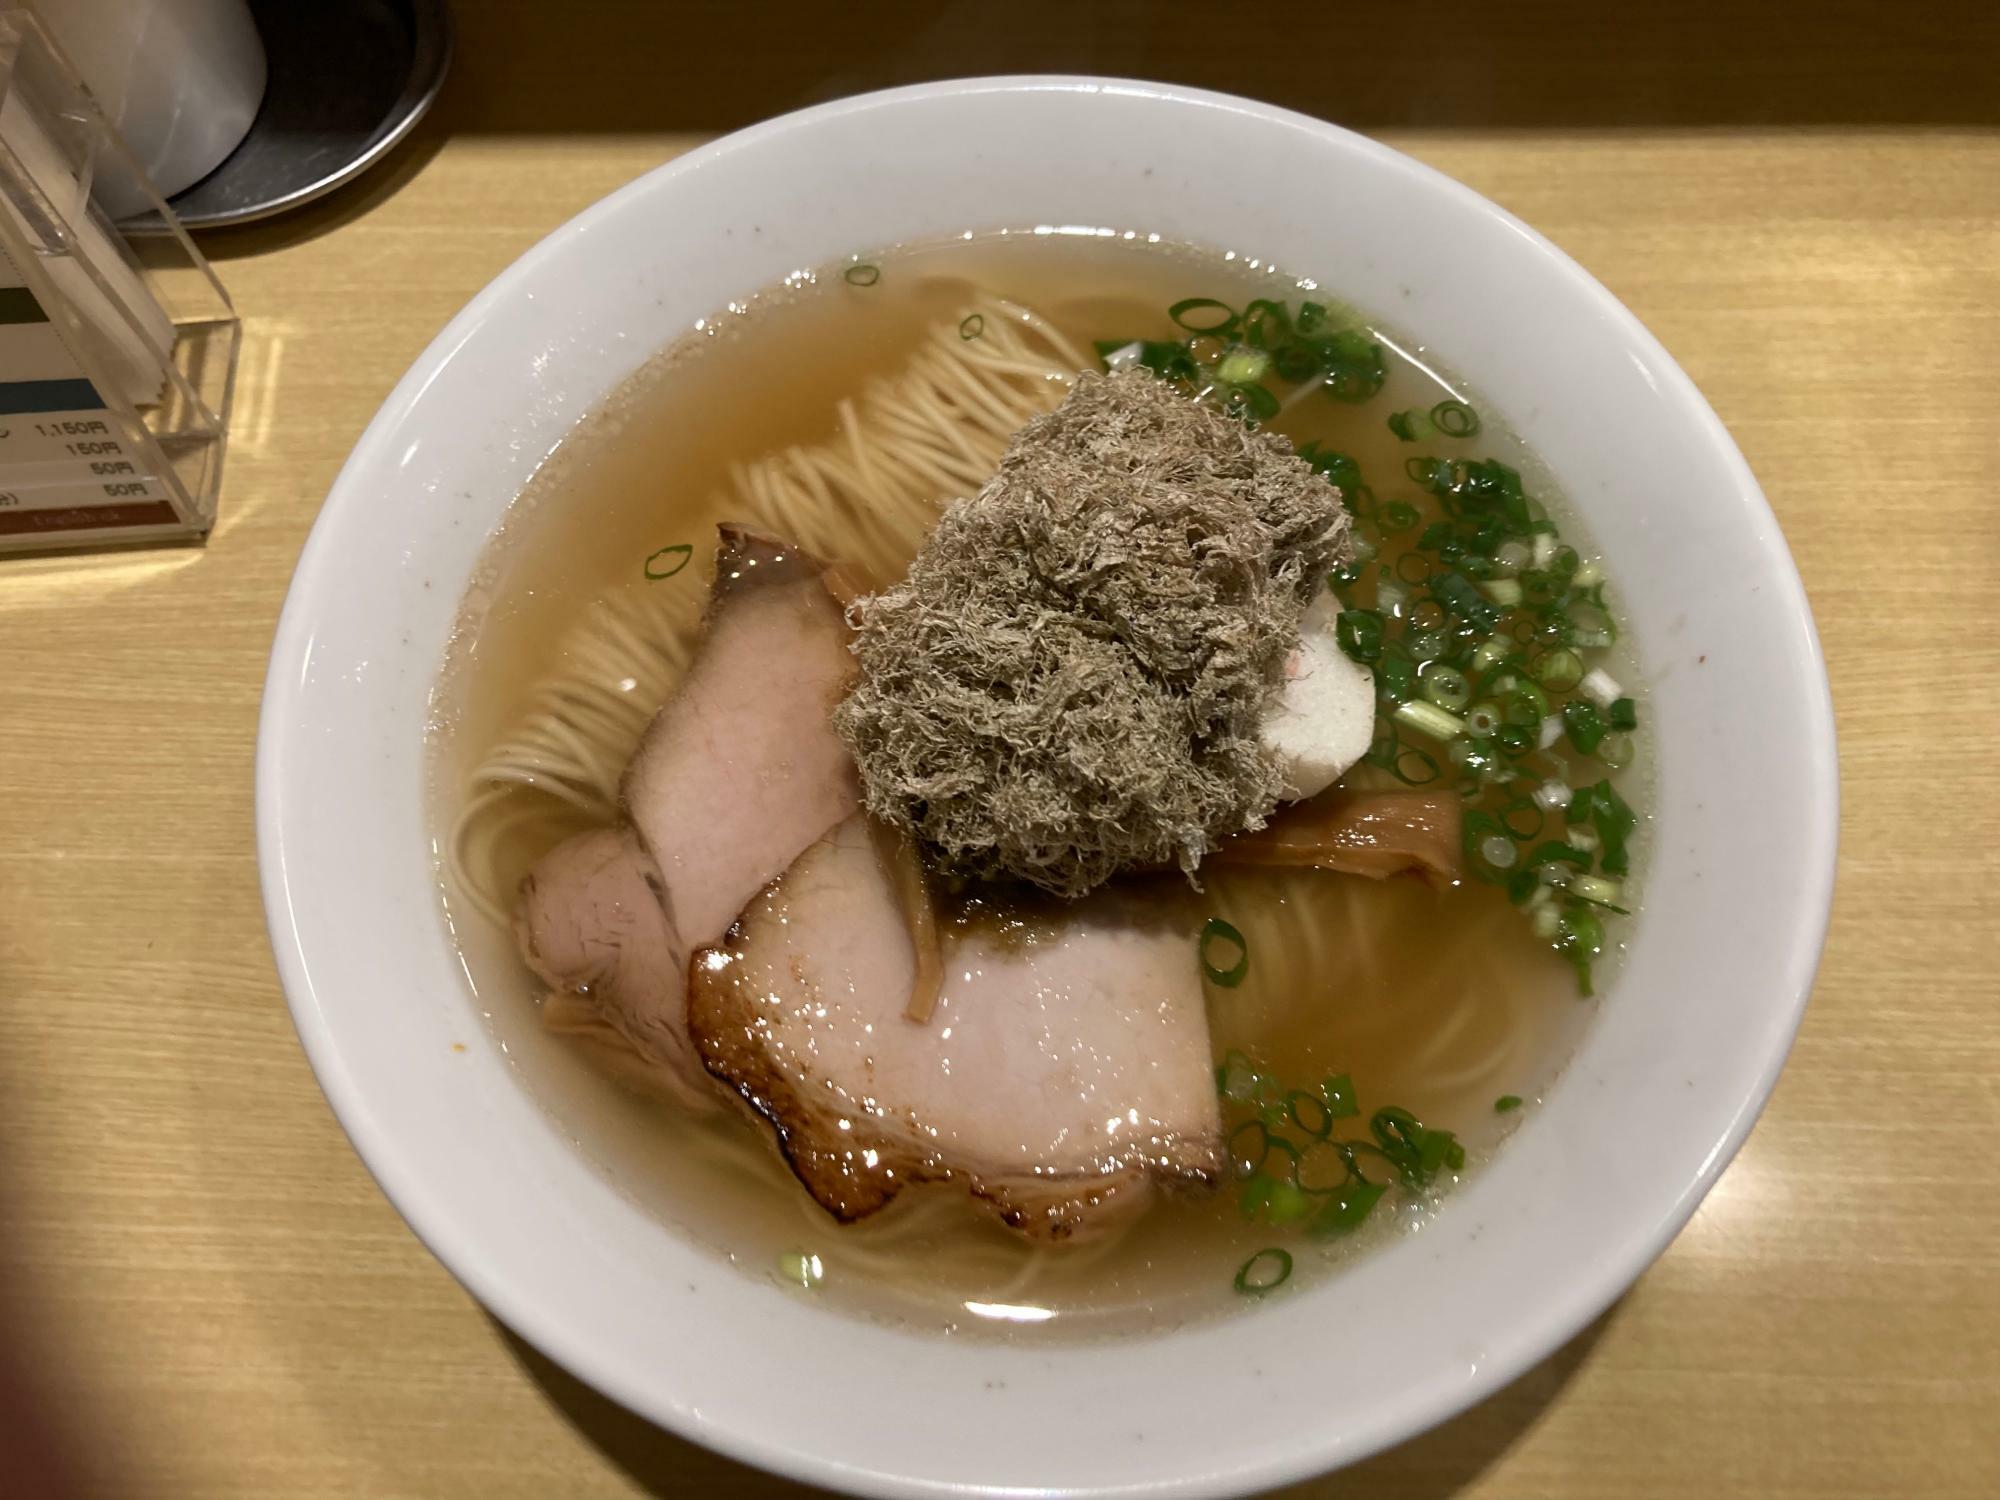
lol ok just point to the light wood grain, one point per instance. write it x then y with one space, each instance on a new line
226 1307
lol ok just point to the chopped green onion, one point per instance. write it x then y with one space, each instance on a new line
1243 367
1446 687
1590 626
1349 1209
1615 750
1455 419
1338 1092
668 561
1498 851
1395 676
801 1269
1204 315
1235 1078
1506 1103
1606 812
1455 593
1490 653
1545 922
1622 715
1523 818
1117 356
1414 767
1558 670
1251 400
1338 468
1321 1125
862 275
1248 1146
1600 687
1584 724
1413 567
1428 718
1265 1271
1524 705
1275 1200
1505 592
1355 368
1428 645
1595 889
1417 1152
1358 632
1558 853
972 326
1580 938
1410 426
1398 516
1216 930
1588 574
1483 718
1511 556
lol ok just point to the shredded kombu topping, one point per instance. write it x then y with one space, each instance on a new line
1069 680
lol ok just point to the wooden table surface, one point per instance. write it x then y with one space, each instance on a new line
216 1301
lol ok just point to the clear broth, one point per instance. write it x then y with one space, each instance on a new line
1438 1001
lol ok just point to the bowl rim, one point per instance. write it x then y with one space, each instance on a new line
1555 1321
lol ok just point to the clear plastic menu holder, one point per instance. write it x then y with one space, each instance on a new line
115 375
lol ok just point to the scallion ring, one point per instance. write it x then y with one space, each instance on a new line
1428 614
668 561
1216 930
1317 1119
1414 767
1204 315
862 275
1248 1145
972 326
1446 687
1558 670
1454 419
1266 1271
1397 515
1523 818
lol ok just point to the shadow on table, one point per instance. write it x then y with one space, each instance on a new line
1434 1466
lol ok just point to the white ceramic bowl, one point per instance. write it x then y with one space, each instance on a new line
1673 1069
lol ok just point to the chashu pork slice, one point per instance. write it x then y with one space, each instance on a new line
1066 1068
742 769
592 927
738 773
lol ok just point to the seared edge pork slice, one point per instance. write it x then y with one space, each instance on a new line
1377 834
1065 1069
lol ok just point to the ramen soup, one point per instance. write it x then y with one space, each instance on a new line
1046 779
